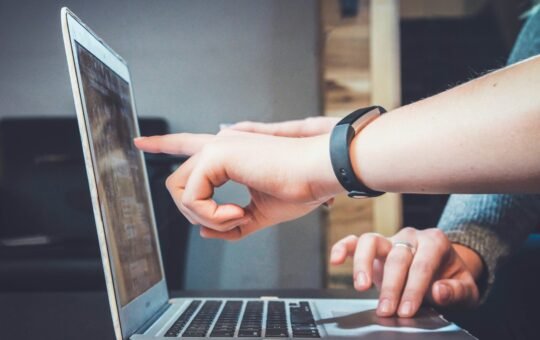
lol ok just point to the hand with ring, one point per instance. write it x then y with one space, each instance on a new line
411 267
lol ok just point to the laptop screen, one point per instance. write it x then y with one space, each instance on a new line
121 182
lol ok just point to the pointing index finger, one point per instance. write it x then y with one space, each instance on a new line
174 144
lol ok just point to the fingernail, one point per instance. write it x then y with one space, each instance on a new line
444 292
361 279
336 250
139 138
406 308
384 306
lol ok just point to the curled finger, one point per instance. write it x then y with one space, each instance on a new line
369 247
342 249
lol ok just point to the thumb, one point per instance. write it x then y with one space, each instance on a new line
175 144
454 292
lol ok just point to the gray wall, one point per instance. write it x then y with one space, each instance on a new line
197 63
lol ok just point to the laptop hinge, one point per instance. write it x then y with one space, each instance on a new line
148 323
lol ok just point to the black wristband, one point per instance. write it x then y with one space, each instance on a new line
340 141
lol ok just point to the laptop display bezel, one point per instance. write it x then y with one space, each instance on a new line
129 318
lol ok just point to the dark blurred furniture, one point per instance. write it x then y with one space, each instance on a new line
437 54
48 237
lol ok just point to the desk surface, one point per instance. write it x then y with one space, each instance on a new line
85 315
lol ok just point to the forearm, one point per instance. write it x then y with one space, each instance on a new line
482 136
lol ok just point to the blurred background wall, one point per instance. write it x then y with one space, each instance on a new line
197 64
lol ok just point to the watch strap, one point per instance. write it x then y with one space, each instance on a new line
340 141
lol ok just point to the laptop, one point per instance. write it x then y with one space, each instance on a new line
136 286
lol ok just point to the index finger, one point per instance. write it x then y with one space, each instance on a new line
290 128
174 144
370 246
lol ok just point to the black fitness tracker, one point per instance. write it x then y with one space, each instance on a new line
340 141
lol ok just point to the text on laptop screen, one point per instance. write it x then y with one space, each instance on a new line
119 173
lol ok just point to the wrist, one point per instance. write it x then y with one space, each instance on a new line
363 152
471 259
324 183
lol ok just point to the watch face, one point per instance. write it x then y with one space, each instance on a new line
365 119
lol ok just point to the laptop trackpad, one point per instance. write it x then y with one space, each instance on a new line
357 318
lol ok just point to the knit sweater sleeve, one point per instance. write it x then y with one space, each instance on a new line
492 225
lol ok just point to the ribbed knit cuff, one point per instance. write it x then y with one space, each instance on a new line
488 245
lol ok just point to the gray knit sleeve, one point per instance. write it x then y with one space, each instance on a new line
492 225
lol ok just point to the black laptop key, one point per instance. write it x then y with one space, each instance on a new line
302 321
277 333
182 320
226 324
222 334
249 334
276 320
251 325
200 325
307 335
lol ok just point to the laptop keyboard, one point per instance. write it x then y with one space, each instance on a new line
245 319
200 325
181 322
276 320
302 322
251 324
226 324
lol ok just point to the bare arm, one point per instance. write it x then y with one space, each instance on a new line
479 137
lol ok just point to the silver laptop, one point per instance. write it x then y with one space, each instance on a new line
136 286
